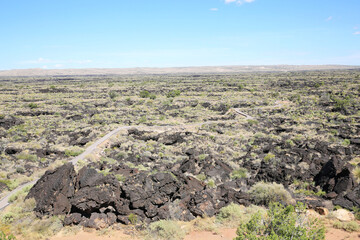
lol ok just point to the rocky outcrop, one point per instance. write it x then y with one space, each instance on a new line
337 180
54 190
93 200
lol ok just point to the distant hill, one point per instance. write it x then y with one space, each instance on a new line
172 70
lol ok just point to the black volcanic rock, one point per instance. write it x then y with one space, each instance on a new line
54 190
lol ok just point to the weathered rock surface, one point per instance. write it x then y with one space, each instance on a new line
343 215
54 191
93 200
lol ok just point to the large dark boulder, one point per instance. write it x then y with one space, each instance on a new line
326 177
53 191
336 176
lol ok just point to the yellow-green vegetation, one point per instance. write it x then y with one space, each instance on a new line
4 236
19 219
234 214
303 188
239 173
266 193
269 157
356 173
351 226
133 218
166 229
73 151
281 223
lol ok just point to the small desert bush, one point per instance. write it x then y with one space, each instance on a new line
356 211
23 191
233 214
4 236
73 152
166 229
356 173
10 183
133 218
269 157
265 193
32 105
239 173
347 226
147 94
113 95
281 223
173 93
205 224
25 155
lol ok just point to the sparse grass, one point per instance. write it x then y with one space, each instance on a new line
234 214
351 226
166 229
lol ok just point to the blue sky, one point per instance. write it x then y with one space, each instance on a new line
164 33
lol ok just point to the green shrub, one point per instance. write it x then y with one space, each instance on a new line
32 105
202 157
120 178
173 93
239 173
269 157
147 94
356 213
281 223
346 142
340 103
133 218
310 192
26 156
113 95
10 183
265 193
166 229
233 214
211 183
201 177
252 122
347 226
73 152
3 236
23 191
